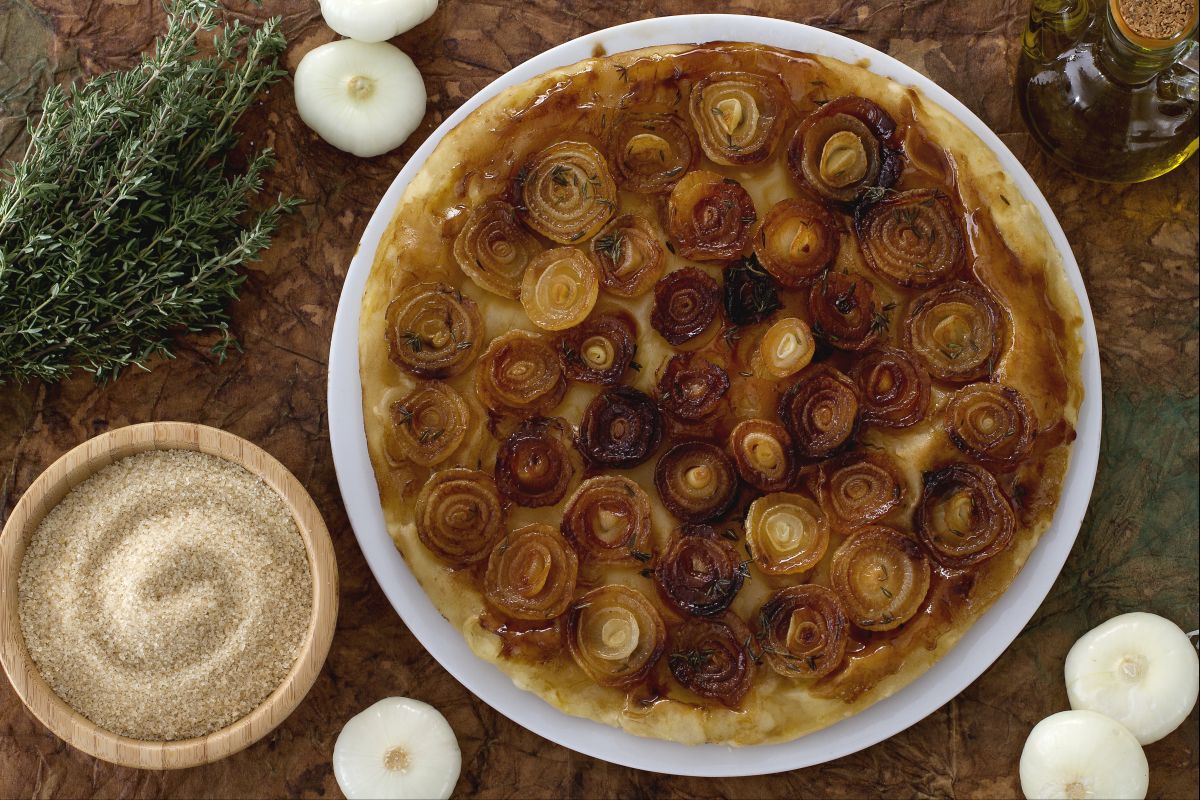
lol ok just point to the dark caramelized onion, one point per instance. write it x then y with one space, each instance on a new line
696 481
519 373
651 152
881 576
685 304
859 488
428 424
913 238
990 422
566 192
893 388
845 148
700 573
844 312
459 516
964 518
804 630
787 533
615 635
432 330
629 256
739 116
762 452
819 411
493 249
692 387
711 658
600 350
608 520
620 428
750 294
533 467
531 573
798 240
711 217
955 331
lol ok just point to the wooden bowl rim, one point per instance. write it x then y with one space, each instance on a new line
75 466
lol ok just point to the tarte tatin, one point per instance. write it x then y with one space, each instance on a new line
714 391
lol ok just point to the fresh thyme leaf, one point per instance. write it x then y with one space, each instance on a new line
560 174
639 555
413 340
611 245
730 534
430 435
406 416
694 660
882 319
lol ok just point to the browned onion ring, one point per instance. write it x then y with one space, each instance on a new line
629 256
955 331
649 153
615 635
797 241
820 411
428 425
913 238
711 658
696 481
963 517
881 576
493 250
711 217
608 520
692 387
566 192
804 630
859 488
739 116
459 516
893 388
600 350
533 467
787 533
531 573
992 423
620 428
432 330
846 148
520 373
844 311
685 304
762 452
700 573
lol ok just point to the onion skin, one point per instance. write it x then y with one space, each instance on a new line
758 128
649 153
460 516
429 424
803 631
696 481
692 387
711 217
493 249
520 374
762 452
621 428
600 350
685 305
893 388
991 423
844 311
870 127
797 241
881 577
912 238
802 553
531 574
432 330
955 331
560 288
618 500
820 411
588 616
711 658
629 256
533 467
964 518
750 294
859 488
700 573
566 192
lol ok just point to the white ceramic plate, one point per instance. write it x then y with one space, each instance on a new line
975 652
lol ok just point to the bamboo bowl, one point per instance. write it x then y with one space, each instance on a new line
81 463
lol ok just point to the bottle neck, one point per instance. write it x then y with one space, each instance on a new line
1131 59
1054 26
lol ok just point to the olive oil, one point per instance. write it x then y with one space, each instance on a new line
1101 100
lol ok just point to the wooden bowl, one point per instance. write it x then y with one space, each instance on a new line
50 488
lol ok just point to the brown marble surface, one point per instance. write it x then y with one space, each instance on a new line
1137 246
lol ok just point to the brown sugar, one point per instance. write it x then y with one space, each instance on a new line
1158 19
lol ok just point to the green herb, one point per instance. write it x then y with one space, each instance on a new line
694 660
121 227
610 245
882 318
413 340
430 435
405 416
559 173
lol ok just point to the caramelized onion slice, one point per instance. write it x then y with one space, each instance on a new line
493 249
620 428
964 518
649 153
599 350
560 288
804 631
685 304
615 635
762 452
696 481
797 241
428 424
859 488
692 387
785 348
432 330
845 148
533 467
844 311
608 520
711 658
913 238
893 388
881 576
711 217
628 255
750 293
531 573
520 373
787 533
819 411
459 516
955 331
739 116
991 423
700 573
566 192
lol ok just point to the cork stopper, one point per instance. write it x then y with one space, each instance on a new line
1157 20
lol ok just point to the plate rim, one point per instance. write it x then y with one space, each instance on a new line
980 646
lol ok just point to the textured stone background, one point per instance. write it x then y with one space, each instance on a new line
1137 246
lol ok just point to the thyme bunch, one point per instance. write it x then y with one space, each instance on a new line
126 221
